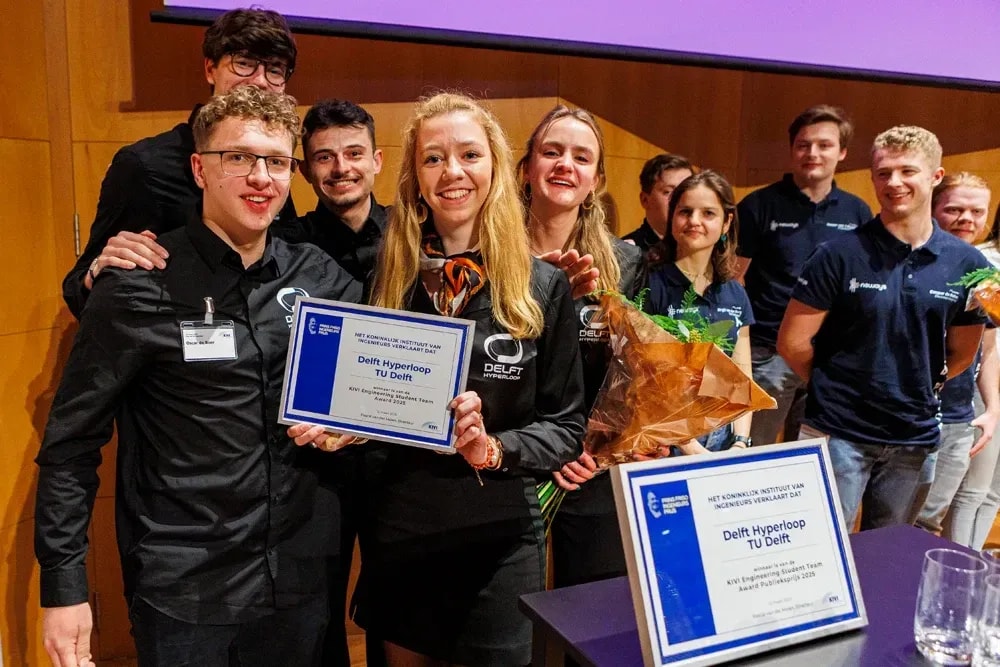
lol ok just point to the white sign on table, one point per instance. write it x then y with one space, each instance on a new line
376 373
736 553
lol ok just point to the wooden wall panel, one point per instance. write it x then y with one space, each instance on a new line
30 364
22 52
28 254
691 111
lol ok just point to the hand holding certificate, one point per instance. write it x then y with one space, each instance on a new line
377 373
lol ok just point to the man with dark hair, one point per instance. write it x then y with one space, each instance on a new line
222 540
341 162
660 175
779 227
149 187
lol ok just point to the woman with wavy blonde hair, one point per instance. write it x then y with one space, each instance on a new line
458 538
563 184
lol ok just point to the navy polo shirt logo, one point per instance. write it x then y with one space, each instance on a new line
735 312
841 227
950 295
775 225
671 311
854 285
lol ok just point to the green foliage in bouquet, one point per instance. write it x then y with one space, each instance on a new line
690 326
973 278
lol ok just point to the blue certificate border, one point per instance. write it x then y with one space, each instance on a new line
632 474
307 305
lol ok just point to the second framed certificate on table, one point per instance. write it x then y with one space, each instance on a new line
734 554
376 373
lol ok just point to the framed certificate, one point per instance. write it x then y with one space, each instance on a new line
736 553
375 373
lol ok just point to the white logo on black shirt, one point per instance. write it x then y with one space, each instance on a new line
854 285
286 298
775 225
506 352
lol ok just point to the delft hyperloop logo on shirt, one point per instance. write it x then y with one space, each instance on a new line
286 299
506 352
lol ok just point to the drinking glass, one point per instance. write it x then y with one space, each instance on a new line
992 558
949 603
986 652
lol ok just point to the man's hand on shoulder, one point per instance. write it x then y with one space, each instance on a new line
66 635
128 250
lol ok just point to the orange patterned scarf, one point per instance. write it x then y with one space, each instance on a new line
461 275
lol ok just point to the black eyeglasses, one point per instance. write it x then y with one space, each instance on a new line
239 163
275 71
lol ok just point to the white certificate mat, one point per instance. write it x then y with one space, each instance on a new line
375 373
736 553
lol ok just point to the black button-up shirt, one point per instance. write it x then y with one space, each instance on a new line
355 251
645 237
217 516
148 185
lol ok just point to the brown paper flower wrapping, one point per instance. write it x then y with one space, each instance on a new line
659 391
987 295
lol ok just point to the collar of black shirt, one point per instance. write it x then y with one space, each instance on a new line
217 253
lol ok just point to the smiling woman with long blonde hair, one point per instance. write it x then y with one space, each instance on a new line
451 553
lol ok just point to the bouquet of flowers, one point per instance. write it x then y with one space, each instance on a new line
668 382
985 292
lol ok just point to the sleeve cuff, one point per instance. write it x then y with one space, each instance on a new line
64 587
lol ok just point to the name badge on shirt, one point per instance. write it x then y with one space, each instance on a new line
208 342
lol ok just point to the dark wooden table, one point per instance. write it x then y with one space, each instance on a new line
595 623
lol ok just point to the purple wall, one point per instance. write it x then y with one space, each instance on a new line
912 37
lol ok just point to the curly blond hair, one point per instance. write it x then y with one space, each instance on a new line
910 138
275 110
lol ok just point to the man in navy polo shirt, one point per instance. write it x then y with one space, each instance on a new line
875 325
780 226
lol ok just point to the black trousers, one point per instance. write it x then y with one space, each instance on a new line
287 638
350 475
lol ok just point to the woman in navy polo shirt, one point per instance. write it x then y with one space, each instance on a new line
563 183
700 253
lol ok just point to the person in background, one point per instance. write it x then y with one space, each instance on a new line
780 226
451 554
563 182
699 253
958 475
660 175
222 542
341 163
149 187
876 325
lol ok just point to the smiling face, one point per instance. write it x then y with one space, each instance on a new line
904 181
454 168
241 207
963 211
699 220
341 165
816 152
562 169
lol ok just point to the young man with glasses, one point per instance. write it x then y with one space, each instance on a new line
149 187
221 533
